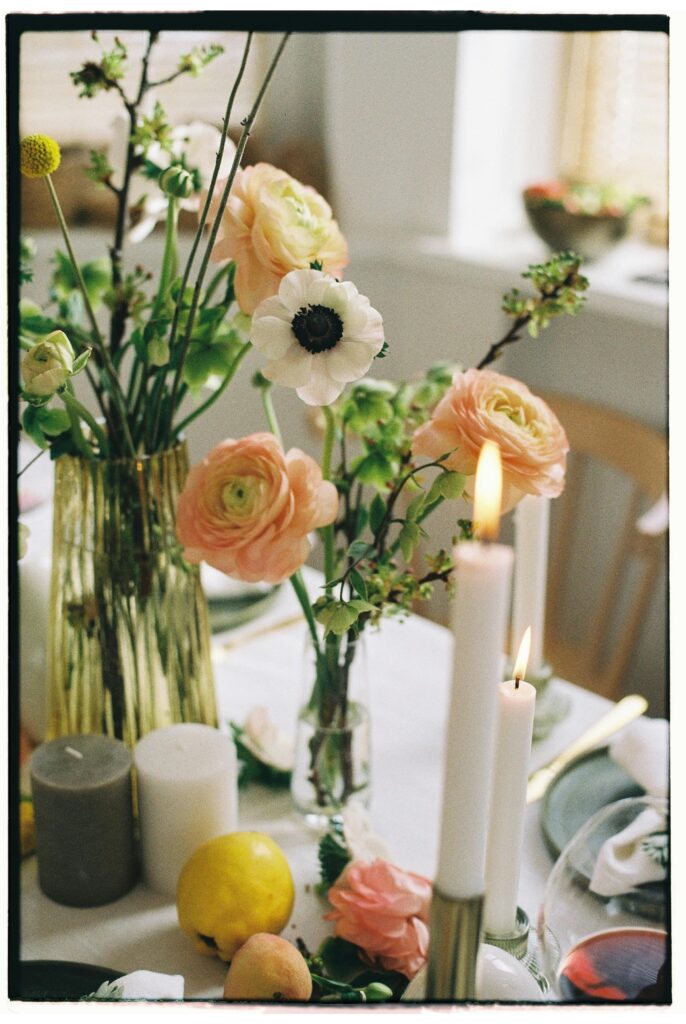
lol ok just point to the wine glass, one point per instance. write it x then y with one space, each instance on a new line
598 949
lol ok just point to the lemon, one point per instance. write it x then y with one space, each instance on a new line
233 887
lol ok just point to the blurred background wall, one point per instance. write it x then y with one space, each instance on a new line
423 143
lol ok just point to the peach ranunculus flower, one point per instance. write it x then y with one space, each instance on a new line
247 509
385 911
273 224
482 405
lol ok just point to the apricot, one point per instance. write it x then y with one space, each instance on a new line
268 968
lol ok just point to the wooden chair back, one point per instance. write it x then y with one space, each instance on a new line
599 659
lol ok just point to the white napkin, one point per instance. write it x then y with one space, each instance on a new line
632 857
641 750
143 985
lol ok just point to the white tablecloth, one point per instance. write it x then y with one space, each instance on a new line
409 665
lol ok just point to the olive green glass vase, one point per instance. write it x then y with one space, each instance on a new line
129 642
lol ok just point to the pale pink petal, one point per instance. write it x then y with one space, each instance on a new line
348 361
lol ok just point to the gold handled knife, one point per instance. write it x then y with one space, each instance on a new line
620 715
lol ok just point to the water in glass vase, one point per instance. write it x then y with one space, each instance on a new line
332 765
618 965
332 760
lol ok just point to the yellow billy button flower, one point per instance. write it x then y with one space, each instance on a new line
39 156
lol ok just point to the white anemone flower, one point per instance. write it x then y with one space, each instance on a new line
318 333
197 142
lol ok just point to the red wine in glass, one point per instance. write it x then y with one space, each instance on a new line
620 965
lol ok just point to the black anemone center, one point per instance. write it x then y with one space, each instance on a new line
317 328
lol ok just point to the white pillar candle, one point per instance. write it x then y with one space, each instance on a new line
531 567
187 793
516 703
479 619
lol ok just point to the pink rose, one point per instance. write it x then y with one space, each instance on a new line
247 509
272 224
385 911
482 405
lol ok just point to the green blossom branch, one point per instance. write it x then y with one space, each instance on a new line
558 282
242 142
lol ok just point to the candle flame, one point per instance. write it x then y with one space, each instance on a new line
523 655
488 488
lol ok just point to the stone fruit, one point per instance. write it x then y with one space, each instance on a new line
269 968
231 888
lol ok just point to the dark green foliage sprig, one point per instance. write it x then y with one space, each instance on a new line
333 854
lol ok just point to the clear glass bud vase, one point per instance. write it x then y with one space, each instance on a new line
129 643
333 749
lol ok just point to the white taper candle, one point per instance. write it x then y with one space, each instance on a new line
531 568
483 575
516 703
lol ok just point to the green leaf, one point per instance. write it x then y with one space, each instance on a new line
358 549
358 583
32 427
414 509
408 540
447 485
333 857
80 362
52 421
344 616
377 468
377 512
36 324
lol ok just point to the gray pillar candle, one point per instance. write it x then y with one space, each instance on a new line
84 819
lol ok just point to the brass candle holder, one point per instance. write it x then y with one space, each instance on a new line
456 931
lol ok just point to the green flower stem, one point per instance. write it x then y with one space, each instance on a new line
74 412
216 281
170 257
298 584
238 359
328 531
73 405
242 142
110 371
198 234
270 413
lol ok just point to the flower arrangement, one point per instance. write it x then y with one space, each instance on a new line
393 451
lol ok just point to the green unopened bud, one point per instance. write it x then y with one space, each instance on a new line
176 181
376 992
47 365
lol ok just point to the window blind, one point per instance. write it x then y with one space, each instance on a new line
615 119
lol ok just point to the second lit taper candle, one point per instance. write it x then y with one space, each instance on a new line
483 573
516 704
